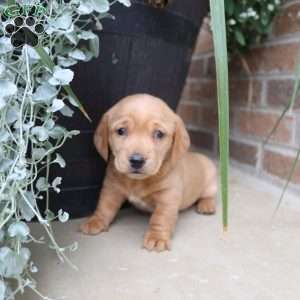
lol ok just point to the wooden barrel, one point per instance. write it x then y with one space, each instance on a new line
144 50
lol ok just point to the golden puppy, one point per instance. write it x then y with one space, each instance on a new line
146 146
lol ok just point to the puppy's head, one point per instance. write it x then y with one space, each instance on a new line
142 133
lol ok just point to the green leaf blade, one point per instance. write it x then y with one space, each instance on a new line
220 49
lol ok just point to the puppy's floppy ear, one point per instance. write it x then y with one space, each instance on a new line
181 142
101 137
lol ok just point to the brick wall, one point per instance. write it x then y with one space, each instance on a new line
252 116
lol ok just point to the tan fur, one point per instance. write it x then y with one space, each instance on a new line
171 180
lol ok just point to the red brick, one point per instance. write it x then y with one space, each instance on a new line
243 153
202 91
202 139
204 42
287 21
260 125
279 58
208 117
196 68
239 91
185 95
279 92
188 113
211 67
280 165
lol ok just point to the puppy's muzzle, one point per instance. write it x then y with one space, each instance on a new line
136 161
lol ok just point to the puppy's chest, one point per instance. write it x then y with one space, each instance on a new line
140 203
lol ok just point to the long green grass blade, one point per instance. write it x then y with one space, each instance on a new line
288 180
220 48
46 59
289 105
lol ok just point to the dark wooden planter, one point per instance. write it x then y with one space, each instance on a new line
145 50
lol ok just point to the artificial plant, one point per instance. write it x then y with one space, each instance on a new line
248 22
35 75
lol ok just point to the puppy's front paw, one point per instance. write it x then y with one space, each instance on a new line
206 206
94 225
155 241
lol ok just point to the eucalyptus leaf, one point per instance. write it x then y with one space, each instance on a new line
18 174
12 114
59 160
40 132
57 132
49 124
2 69
94 46
66 62
55 183
57 105
2 290
61 76
38 153
67 111
4 136
85 7
5 45
2 103
19 230
7 88
26 211
87 35
127 3
5 164
73 133
63 216
11 263
2 234
63 22
33 268
100 6
72 37
31 52
44 93
77 54
41 184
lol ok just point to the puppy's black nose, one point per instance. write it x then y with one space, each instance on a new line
136 161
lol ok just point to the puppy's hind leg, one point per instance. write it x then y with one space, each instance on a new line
207 202
206 206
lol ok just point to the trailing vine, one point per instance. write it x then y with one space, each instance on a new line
34 93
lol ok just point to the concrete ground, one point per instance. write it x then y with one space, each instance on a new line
257 259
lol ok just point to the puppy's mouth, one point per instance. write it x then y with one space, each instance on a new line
137 174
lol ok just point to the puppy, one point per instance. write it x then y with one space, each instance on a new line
146 146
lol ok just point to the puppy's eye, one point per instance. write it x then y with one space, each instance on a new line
158 134
121 131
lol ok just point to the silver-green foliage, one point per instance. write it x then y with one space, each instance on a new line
31 100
